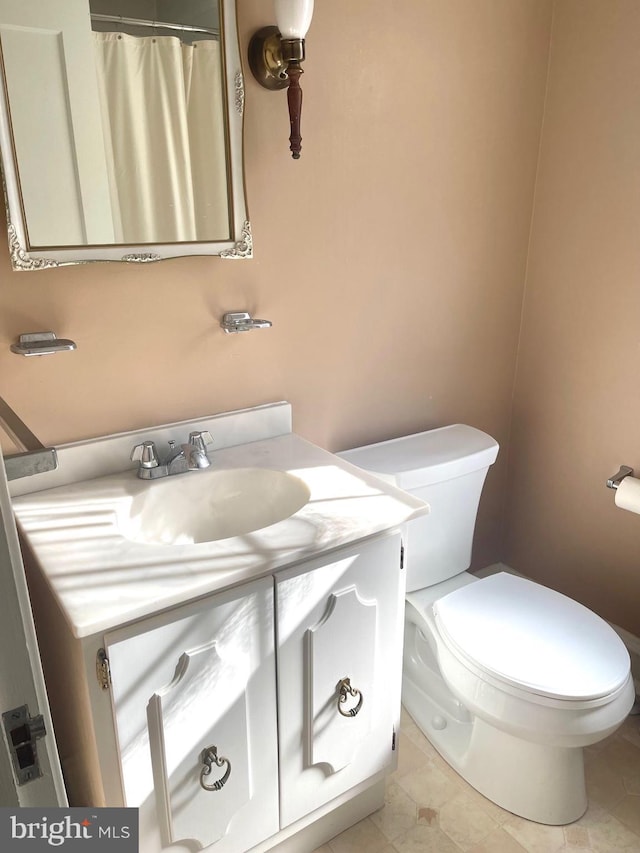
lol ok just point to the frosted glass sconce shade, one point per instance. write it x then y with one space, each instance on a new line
293 17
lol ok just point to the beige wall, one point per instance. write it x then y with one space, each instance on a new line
577 403
390 258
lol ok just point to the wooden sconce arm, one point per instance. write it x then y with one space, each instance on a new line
294 99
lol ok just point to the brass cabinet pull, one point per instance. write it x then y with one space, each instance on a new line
209 757
345 689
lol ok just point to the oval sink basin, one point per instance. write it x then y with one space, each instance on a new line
209 505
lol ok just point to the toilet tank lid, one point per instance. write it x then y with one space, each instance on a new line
427 457
528 635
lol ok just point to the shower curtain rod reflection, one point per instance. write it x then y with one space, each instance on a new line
140 22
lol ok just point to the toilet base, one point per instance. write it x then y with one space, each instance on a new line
541 783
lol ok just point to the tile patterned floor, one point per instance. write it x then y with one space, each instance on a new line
430 809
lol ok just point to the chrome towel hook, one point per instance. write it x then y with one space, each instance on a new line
41 343
241 321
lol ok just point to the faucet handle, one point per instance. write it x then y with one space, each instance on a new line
146 454
201 440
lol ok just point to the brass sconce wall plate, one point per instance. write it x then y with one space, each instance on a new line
265 59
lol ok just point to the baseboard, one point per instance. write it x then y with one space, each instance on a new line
630 640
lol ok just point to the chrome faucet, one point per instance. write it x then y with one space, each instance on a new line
180 458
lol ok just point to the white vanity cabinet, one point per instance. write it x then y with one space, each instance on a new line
221 721
252 676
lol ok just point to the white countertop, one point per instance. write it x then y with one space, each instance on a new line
102 580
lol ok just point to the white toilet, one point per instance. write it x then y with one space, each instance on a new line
508 679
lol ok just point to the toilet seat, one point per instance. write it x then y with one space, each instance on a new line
526 636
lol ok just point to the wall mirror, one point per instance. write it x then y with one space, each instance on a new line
121 131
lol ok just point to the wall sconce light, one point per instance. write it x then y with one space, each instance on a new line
275 54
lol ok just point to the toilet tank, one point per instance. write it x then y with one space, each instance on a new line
445 467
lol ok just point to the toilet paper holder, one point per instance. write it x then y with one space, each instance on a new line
614 482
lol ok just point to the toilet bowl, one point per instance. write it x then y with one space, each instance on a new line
512 717
508 679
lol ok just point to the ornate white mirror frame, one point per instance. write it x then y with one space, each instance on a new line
239 245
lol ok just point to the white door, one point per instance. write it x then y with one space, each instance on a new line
21 678
49 65
194 701
339 654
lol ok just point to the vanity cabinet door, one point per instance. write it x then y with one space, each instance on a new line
193 695
338 628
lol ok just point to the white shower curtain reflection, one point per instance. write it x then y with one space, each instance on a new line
164 135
